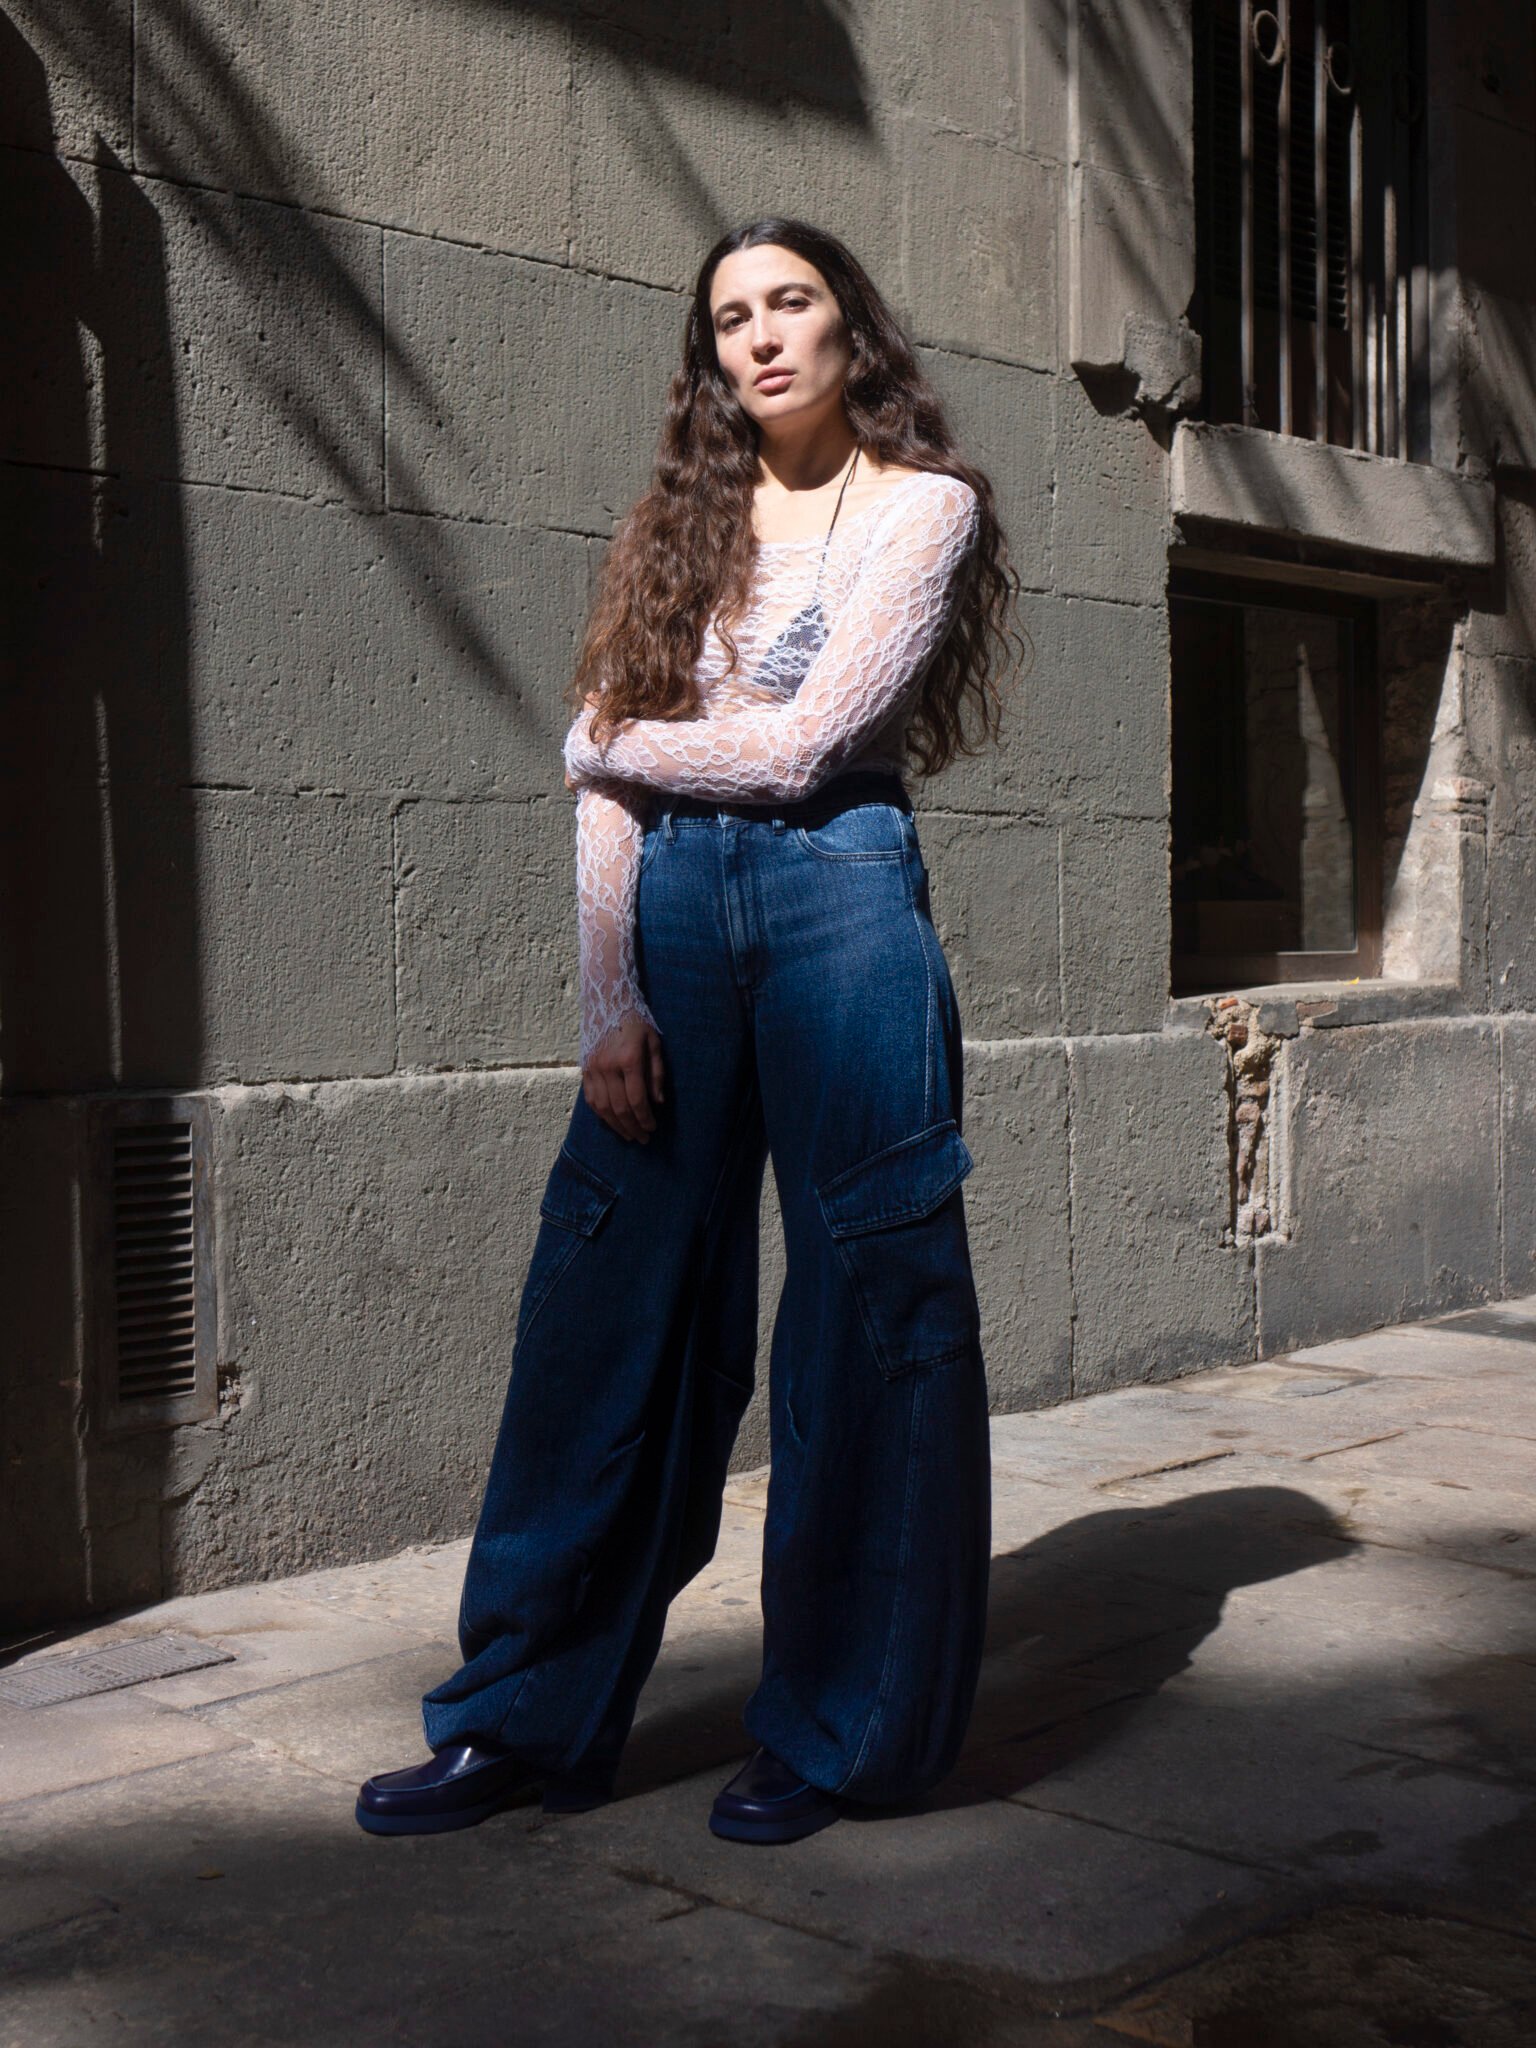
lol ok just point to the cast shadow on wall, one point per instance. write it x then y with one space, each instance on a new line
797 50
99 943
98 953
120 406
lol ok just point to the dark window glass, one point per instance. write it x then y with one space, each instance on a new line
1274 739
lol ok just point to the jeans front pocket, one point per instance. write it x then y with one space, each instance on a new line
576 1199
898 1220
651 838
872 831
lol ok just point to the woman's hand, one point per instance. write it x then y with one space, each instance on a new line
623 1074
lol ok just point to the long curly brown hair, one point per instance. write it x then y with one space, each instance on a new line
687 550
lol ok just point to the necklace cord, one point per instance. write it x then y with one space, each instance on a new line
822 563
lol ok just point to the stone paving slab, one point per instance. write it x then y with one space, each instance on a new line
1479 1526
1274 1786
239 1902
1290 1412
1456 1456
981 1883
1369 1595
343 1723
417 1591
1350 1977
1261 1659
507 1933
49 1749
275 1635
1469 1711
39 1903
690 1712
1433 1349
1311 1419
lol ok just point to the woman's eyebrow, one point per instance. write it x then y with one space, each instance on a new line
774 291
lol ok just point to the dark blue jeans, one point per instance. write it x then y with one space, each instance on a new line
808 1015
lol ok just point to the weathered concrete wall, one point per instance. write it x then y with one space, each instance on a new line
1387 1202
341 335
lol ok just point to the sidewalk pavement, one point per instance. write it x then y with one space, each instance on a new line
1252 1766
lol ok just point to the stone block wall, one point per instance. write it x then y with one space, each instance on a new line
340 340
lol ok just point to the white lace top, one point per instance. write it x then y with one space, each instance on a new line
823 683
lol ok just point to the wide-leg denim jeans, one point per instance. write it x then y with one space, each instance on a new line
808 1016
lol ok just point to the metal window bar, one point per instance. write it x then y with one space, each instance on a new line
1319 227
1308 167
1282 20
1245 59
1356 277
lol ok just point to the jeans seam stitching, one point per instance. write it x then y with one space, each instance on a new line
548 1289
732 946
928 1016
733 1149
898 1603
882 1361
837 859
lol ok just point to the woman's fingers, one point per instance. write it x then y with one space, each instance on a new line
621 1076
636 1095
612 1105
609 1101
658 1066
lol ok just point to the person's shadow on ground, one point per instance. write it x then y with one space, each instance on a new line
1087 1623
1084 1625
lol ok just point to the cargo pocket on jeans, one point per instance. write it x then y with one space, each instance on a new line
576 1199
898 1220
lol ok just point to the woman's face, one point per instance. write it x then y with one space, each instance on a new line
781 340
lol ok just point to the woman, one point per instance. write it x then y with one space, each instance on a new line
809 591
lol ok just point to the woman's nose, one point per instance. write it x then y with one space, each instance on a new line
764 341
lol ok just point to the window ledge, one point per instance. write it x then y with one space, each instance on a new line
1311 490
1285 1008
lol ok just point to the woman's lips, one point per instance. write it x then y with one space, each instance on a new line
773 380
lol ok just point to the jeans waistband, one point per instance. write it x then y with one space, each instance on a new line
858 786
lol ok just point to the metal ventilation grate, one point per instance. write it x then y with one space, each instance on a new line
154 1256
153 1346
50 1680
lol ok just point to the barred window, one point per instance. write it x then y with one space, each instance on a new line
1311 262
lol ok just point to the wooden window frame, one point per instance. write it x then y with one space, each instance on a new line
1211 974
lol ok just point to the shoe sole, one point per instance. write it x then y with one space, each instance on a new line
572 1799
440 1823
731 1830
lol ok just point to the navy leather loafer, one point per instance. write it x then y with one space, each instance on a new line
768 1802
458 1788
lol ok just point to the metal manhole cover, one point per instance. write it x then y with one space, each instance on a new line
52 1680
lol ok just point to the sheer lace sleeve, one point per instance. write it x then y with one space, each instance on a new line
609 825
880 642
